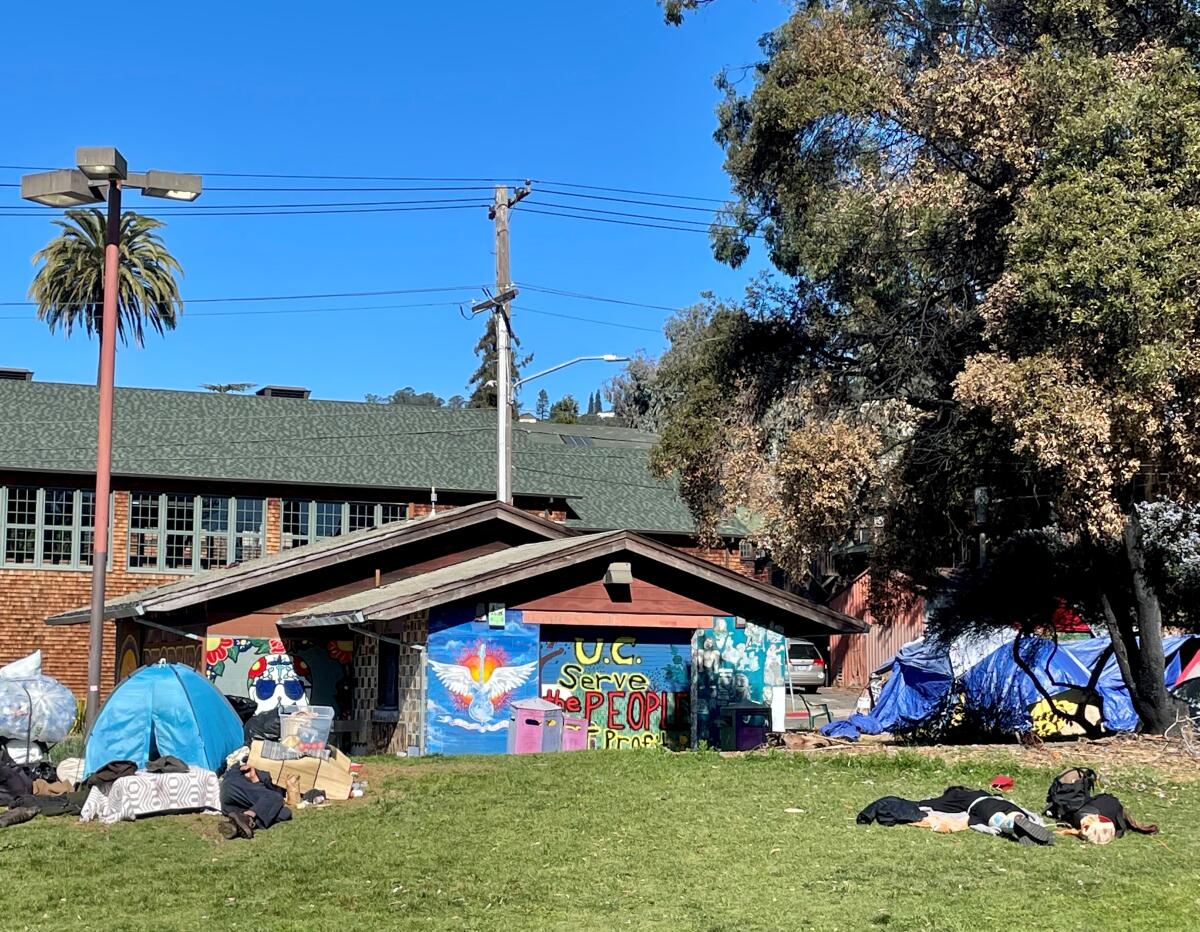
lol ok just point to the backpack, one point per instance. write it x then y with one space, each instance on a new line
1069 792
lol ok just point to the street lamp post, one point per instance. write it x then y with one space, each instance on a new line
100 167
504 402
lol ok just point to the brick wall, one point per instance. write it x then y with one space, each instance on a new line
389 732
28 597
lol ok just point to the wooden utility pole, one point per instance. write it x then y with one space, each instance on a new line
502 308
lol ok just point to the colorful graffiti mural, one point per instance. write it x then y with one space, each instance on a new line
476 669
632 688
271 672
162 645
733 664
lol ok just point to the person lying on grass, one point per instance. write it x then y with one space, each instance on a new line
252 801
958 809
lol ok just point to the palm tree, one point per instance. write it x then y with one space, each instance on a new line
69 286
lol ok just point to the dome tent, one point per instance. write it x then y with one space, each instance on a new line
165 708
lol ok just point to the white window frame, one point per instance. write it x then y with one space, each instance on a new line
76 527
287 539
231 535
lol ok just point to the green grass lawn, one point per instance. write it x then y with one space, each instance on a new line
614 840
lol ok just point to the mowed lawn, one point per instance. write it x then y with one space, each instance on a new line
616 840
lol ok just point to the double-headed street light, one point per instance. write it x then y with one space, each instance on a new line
100 168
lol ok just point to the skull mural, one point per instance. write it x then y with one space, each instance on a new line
277 678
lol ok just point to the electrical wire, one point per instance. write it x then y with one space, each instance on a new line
594 187
627 223
295 297
523 308
184 212
438 200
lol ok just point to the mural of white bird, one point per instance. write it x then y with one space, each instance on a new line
458 679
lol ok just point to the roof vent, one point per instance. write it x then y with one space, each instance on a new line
16 375
282 391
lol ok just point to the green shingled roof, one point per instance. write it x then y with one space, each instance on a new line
50 427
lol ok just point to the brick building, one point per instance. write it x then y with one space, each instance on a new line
202 481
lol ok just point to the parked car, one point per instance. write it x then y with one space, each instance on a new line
805 666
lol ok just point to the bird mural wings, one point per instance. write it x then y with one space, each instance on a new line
506 679
455 677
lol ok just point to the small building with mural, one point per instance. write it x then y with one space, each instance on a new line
421 635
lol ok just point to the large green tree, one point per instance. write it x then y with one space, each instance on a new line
484 395
68 287
986 220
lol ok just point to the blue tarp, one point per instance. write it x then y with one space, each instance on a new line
1001 693
169 708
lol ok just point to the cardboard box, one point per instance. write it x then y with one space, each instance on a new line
332 775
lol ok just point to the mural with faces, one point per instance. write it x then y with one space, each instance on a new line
275 673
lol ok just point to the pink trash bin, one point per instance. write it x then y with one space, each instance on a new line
534 726
574 733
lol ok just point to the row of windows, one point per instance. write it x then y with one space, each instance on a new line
46 527
304 522
168 531
174 531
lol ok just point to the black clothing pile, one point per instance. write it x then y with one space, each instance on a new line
1070 799
891 810
167 764
29 790
240 794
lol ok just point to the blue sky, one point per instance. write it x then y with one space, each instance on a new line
586 93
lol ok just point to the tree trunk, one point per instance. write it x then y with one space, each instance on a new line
1139 647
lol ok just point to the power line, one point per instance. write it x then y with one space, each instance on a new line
588 320
186 212
625 200
437 200
545 289
706 224
627 223
295 297
594 187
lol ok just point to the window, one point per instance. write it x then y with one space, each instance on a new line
46 528
295 524
746 551
304 522
388 695
175 531
21 526
802 650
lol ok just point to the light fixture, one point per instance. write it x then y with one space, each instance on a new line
177 186
63 188
100 163
613 357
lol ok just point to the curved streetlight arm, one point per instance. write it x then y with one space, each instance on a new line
607 357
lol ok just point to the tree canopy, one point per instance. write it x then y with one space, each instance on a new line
68 287
986 224
482 394
565 410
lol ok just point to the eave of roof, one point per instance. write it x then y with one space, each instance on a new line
215 583
482 574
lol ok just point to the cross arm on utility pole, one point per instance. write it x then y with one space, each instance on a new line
503 298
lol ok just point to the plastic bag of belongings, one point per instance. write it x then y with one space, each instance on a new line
1033 686
36 711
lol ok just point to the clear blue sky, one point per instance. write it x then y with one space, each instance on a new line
591 93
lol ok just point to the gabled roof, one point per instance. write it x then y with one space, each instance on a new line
50 427
521 564
215 583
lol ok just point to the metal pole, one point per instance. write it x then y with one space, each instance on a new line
108 361
503 352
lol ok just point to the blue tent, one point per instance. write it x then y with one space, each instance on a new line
162 709
917 689
1001 693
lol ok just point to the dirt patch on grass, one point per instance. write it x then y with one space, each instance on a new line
1177 758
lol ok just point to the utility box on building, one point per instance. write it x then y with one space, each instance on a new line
535 726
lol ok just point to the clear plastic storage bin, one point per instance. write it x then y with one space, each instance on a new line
306 730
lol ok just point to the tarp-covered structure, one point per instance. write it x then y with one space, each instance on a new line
983 684
1002 696
162 709
920 690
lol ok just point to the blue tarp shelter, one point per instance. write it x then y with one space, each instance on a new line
165 708
1001 694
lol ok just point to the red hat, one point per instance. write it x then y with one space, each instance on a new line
1002 782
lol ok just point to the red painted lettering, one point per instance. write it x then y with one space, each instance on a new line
592 700
613 710
635 712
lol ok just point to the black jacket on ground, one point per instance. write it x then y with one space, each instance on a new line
891 810
239 794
